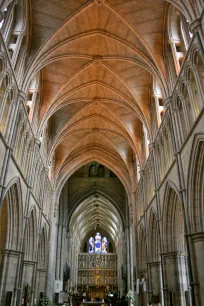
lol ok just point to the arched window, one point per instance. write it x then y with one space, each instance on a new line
98 245
91 245
137 168
4 15
158 102
17 28
32 98
13 28
6 11
179 36
145 143
104 245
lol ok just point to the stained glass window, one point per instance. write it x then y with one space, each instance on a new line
98 243
104 245
91 245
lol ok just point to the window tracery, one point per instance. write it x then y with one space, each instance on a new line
98 245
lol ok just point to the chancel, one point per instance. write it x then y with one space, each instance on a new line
101 152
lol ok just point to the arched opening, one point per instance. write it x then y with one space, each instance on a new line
154 258
142 266
196 180
42 264
94 218
174 251
10 242
199 64
178 36
195 210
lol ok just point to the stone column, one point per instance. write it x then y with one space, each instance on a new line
197 243
52 254
175 278
128 258
155 280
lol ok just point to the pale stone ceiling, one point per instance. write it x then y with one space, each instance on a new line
97 63
89 213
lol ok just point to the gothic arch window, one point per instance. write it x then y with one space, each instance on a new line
33 99
99 245
6 11
104 246
196 187
13 28
145 143
17 28
91 245
11 226
4 15
173 222
178 35
137 168
158 104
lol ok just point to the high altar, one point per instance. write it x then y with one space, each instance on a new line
98 272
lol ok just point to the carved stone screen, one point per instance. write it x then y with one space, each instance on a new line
97 269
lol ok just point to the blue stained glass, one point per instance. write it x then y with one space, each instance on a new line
104 245
98 243
91 245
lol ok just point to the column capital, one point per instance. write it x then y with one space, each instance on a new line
197 236
154 263
174 254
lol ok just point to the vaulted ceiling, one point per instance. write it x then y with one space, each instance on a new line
97 60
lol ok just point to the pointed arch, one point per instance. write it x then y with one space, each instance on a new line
172 220
142 248
31 236
42 257
11 217
195 209
153 237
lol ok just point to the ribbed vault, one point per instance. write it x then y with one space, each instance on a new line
92 213
97 62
